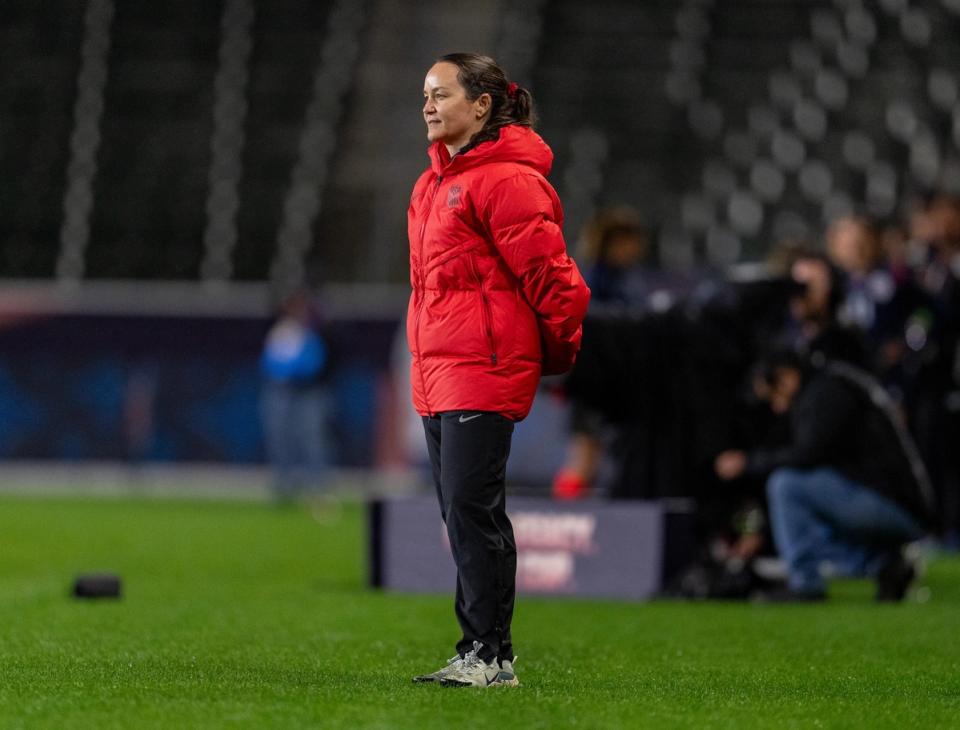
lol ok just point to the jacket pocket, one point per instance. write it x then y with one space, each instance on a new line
449 256
486 316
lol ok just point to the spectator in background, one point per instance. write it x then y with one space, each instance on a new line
812 328
849 488
623 275
935 413
615 251
293 364
877 301
935 246
854 247
895 251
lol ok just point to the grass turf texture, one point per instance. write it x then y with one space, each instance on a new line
248 615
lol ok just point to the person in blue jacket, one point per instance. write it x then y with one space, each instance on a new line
294 409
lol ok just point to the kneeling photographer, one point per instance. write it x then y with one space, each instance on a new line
848 489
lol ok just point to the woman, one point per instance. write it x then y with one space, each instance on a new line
496 303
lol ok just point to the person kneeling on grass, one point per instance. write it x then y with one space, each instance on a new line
849 489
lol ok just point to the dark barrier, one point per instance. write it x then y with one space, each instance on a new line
671 382
588 549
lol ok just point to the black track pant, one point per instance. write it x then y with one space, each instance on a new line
468 452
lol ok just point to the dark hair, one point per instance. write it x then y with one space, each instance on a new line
509 103
772 362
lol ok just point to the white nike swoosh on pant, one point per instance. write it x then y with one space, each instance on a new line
464 419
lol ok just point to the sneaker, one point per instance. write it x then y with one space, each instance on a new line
453 664
894 579
507 676
475 672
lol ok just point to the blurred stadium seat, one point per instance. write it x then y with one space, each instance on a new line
801 104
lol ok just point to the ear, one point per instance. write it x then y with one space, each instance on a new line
482 105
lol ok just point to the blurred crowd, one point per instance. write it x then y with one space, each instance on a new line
672 375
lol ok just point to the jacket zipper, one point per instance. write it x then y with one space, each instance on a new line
420 284
485 313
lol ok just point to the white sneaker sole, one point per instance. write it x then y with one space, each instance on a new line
449 682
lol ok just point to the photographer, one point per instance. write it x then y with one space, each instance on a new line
849 487
812 327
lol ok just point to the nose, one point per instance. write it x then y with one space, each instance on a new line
428 106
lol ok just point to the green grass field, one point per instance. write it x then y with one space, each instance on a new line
249 615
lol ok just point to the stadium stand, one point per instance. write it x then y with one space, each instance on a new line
729 125
39 47
736 124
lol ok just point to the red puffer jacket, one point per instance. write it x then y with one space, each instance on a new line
496 301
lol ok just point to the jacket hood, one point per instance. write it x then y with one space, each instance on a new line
516 144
